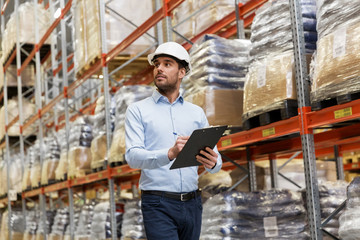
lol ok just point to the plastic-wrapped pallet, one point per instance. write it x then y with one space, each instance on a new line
274 214
269 83
271 28
98 144
17 225
16 173
32 218
61 221
50 161
217 62
66 235
27 76
332 194
26 27
101 226
212 184
35 170
62 168
132 226
13 111
3 178
350 218
79 156
123 98
337 62
87 28
83 228
50 215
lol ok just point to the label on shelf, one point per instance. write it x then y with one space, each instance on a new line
226 142
268 132
261 76
270 227
12 195
343 113
355 165
339 42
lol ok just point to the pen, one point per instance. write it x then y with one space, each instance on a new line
177 134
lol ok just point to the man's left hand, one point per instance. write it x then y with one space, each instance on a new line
208 159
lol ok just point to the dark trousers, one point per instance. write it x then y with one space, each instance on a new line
170 219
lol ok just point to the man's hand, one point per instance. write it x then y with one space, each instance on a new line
178 146
209 158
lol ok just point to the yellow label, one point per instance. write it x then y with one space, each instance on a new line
90 194
100 175
87 178
226 142
343 113
268 132
355 165
119 170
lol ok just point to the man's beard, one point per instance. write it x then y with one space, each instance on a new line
167 87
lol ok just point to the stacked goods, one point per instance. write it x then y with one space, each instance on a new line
79 156
16 173
51 160
61 221
26 27
3 178
33 155
50 215
350 218
212 12
87 28
62 168
132 226
212 184
271 28
17 225
123 98
219 69
337 60
98 144
13 112
276 214
83 228
32 221
101 226
270 84
219 63
27 76
66 235
332 195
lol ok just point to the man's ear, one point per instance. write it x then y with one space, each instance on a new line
182 73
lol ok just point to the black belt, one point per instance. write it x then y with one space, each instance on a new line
177 196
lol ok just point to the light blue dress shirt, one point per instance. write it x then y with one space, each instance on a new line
150 125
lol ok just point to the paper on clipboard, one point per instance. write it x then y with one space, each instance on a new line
199 140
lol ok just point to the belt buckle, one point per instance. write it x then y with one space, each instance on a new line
182 197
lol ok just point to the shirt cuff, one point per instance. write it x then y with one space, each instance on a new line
162 156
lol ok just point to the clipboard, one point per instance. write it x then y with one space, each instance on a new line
199 140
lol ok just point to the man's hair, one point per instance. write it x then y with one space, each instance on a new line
181 63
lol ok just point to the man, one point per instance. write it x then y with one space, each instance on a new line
157 129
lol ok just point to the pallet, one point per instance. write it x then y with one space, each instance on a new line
98 169
116 164
28 47
282 110
87 66
336 100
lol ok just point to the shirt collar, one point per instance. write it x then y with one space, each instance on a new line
157 97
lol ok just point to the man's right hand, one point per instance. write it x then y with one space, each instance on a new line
178 146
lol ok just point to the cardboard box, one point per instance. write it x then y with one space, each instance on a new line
221 106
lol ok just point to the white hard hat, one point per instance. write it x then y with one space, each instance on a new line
172 49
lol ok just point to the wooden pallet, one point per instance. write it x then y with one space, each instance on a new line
336 100
116 164
283 110
87 66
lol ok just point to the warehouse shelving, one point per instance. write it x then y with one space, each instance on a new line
257 141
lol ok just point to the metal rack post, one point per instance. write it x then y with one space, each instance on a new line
339 164
107 114
240 31
67 117
307 137
160 34
38 93
252 171
273 171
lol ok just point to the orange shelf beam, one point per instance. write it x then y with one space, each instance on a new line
351 166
